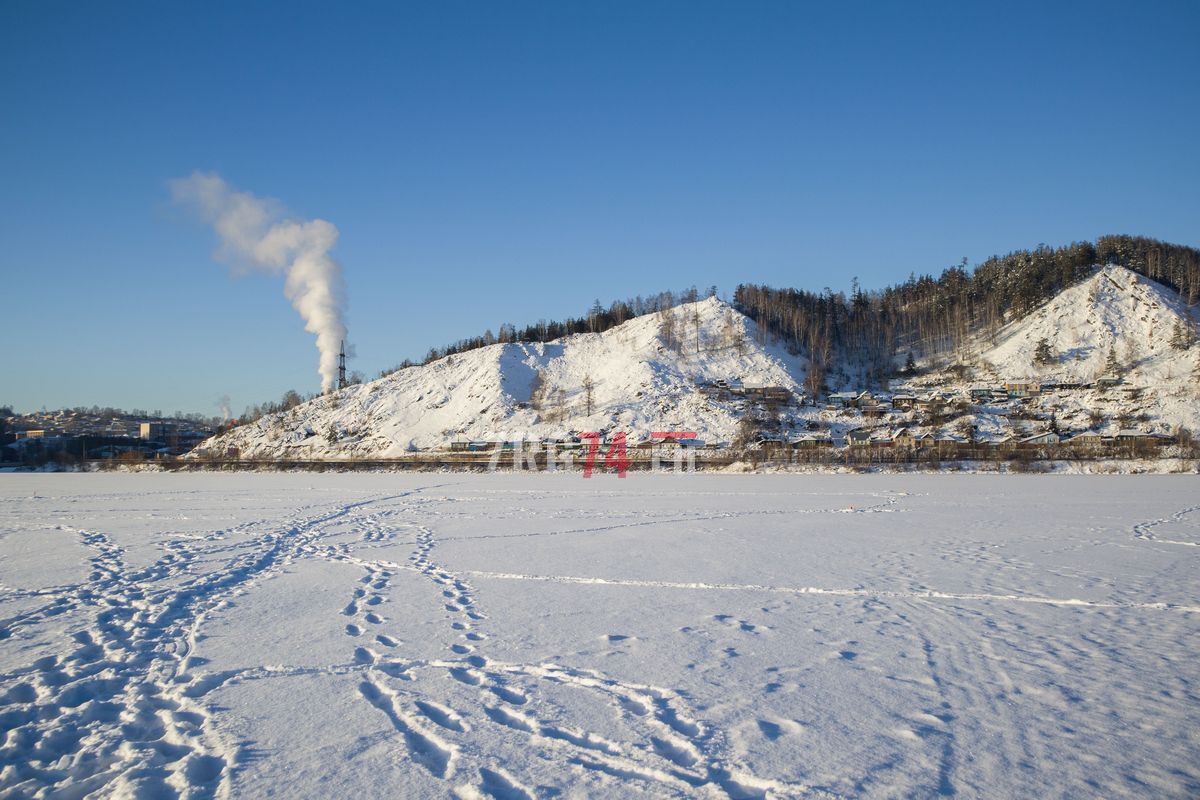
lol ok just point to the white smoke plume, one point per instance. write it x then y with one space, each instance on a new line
256 233
223 403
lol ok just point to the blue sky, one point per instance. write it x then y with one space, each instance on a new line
492 162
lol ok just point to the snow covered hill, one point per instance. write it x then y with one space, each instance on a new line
640 384
1117 312
1114 310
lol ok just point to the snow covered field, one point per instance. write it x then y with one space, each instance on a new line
545 636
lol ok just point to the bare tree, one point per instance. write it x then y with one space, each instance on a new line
588 388
814 379
729 330
1132 355
667 329
560 404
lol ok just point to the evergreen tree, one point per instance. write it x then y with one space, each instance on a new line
1042 354
1182 337
1111 365
594 314
910 364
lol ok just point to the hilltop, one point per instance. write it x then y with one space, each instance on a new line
640 383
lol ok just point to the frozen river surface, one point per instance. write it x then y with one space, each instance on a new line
547 636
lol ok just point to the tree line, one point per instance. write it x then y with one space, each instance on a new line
597 320
943 316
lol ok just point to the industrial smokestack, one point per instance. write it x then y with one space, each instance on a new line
256 233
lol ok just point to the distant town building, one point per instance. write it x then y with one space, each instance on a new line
155 431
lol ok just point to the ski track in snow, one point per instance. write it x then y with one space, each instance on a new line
833 592
126 712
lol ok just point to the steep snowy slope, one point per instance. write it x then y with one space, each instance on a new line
1115 309
639 385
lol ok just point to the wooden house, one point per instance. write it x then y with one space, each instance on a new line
1085 440
858 438
1039 440
843 400
1022 389
1003 444
812 441
768 394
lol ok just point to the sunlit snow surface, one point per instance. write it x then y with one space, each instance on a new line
549 636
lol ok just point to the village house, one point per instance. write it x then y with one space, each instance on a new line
859 437
1039 440
932 400
1022 389
812 441
1085 440
947 443
1004 443
768 394
843 400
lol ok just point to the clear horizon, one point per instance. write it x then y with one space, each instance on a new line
487 165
